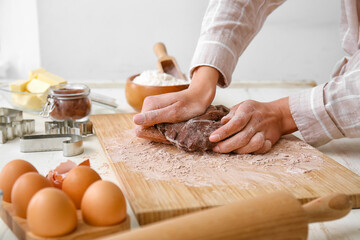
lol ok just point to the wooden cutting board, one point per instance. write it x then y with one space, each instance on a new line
161 181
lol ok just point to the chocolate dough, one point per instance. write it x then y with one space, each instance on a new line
191 135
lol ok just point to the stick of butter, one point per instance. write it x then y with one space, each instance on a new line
34 73
43 82
37 86
31 102
18 86
39 82
50 78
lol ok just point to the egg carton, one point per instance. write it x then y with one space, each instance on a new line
13 125
83 128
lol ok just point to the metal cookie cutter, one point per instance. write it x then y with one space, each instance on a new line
69 127
12 124
71 144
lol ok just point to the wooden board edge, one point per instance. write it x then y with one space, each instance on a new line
145 218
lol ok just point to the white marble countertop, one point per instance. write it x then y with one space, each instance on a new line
345 151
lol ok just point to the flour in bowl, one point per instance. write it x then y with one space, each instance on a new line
157 78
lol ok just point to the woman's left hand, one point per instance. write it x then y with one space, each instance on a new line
253 127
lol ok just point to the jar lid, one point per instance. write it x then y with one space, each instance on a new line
68 90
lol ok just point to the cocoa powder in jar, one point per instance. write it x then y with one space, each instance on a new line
70 104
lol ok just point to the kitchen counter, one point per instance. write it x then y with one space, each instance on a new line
344 151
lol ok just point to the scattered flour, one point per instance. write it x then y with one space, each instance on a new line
165 162
156 78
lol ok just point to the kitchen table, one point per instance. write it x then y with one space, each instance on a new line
344 151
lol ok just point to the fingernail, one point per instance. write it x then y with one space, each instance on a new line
139 119
214 138
216 149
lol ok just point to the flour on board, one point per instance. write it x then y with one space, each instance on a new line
156 161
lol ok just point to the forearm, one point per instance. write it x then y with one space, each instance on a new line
227 29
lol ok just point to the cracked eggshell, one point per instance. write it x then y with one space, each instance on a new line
57 176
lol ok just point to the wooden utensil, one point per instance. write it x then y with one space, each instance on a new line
272 216
166 63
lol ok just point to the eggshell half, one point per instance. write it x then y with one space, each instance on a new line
57 176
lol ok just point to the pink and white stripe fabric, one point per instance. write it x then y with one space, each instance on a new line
328 111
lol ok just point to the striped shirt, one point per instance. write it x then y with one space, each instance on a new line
328 111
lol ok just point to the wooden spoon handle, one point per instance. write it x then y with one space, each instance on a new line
328 208
160 50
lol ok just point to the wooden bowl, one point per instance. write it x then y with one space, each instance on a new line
136 93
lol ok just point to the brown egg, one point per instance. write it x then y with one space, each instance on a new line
24 189
10 173
51 213
103 204
77 181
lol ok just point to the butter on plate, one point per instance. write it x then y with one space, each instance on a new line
19 86
50 78
33 92
34 73
37 86
42 81
28 101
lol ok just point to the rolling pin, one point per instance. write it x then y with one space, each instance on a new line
273 216
166 63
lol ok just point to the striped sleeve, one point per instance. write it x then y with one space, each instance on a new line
331 110
227 29
311 117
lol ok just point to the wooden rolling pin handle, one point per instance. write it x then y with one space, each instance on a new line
328 208
272 216
160 50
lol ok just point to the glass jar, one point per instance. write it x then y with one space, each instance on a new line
68 101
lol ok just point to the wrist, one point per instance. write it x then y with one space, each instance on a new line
288 124
203 84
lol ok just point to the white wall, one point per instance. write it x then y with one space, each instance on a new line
19 42
300 40
112 39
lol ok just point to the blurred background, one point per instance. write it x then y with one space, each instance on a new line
113 39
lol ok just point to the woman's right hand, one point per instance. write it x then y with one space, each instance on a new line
183 105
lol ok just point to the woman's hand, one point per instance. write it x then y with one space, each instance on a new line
183 105
253 127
